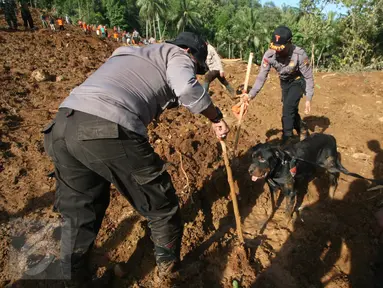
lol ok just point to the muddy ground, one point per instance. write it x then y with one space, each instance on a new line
333 245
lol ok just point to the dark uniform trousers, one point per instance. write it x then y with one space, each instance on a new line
27 18
90 153
292 92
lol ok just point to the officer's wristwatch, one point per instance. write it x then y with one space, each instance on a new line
219 116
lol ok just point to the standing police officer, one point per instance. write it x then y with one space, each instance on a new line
296 77
100 137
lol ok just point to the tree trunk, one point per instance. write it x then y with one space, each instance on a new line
312 56
154 29
150 28
229 51
87 8
240 53
320 56
164 30
79 9
147 29
158 26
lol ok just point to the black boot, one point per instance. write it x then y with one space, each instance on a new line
168 262
168 256
286 140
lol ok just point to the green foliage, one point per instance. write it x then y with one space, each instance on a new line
238 27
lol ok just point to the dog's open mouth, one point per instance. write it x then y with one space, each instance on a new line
262 176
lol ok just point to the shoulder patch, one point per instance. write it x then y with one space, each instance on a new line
306 61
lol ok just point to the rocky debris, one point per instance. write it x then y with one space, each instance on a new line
60 78
40 75
361 156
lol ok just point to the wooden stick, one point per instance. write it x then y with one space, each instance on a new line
242 106
248 71
232 192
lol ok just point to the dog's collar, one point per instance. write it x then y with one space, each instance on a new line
287 159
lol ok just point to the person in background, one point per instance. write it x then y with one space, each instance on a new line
128 38
67 20
213 61
296 79
26 15
103 32
123 38
136 37
10 11
43 18
60 22
84 27
52 23
115 36
152 40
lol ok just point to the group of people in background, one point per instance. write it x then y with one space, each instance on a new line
48 21
118 35
45 19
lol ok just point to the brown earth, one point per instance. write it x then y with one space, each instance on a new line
334 246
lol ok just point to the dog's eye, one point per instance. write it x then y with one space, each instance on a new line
262 160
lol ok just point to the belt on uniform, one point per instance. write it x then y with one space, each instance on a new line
291 79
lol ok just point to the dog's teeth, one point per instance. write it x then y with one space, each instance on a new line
254 178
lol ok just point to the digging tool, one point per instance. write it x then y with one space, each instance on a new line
232 191
243 104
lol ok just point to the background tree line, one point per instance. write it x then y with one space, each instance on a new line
236 27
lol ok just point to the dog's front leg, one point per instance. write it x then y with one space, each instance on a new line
273 190
290 194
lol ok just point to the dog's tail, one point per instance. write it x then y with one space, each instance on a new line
340 168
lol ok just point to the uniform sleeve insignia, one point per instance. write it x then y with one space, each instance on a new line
265 62
306 61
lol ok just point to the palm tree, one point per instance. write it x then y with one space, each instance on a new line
151 10
250 31
187 15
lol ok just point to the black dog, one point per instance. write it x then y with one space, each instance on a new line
296 165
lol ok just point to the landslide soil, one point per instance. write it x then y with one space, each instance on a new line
333 243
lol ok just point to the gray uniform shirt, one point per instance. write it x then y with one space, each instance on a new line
213 61
135 85
295 64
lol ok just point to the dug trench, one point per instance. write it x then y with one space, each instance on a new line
334 244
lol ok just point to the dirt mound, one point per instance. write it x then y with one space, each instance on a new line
334 246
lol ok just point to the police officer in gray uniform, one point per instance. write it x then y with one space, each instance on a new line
100 137
296 78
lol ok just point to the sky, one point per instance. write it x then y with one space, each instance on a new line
295 3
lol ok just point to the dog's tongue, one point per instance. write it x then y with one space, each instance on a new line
254 178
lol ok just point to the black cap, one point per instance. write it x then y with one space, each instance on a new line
281 36
197 45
